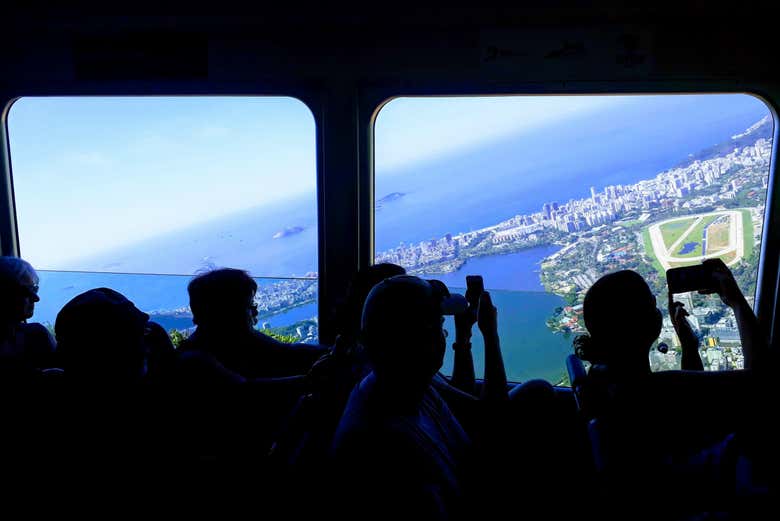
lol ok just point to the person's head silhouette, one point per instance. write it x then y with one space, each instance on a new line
18 290
223 300
365 279
622 319
100 336
402 329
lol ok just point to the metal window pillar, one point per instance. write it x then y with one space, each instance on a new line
338 198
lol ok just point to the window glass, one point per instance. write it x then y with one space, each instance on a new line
141 193
542 195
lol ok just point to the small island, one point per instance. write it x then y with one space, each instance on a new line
389 198
292 230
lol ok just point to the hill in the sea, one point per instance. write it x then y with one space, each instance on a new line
292 230
389 198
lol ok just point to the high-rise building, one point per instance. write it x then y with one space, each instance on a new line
683 191
546 208
593 193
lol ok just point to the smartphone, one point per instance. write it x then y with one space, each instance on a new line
689 278
474 288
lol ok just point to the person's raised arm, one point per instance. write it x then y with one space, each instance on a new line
494 387
691 360
754 346
463 364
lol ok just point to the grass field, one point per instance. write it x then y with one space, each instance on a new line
717 237
695 236
747 232
672 231
629 223
650 253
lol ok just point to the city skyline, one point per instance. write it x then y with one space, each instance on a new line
602 207
145 177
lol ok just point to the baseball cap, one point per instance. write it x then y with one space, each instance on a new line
100 308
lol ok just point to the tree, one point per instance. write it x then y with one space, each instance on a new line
287 339
177 337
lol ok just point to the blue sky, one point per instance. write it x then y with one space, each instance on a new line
93 174
434 126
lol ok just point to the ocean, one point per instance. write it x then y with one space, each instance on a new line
463 191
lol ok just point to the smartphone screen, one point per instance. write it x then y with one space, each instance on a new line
689 278
474 286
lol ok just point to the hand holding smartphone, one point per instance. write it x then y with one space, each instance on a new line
682 280
465 321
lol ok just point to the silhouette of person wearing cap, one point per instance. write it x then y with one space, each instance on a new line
100 337
24 348
224 311
397 443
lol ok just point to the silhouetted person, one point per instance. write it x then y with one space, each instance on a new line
100 336
623 322
664 427
224 311
470 405
460 389
105 416
398 448
24 348
347 362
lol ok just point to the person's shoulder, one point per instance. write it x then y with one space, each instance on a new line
35 328
37 336
362 407
353 423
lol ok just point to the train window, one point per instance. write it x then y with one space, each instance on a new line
140 193
544 194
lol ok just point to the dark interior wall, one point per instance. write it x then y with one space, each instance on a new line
345 63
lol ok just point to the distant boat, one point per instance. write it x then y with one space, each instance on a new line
292 230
